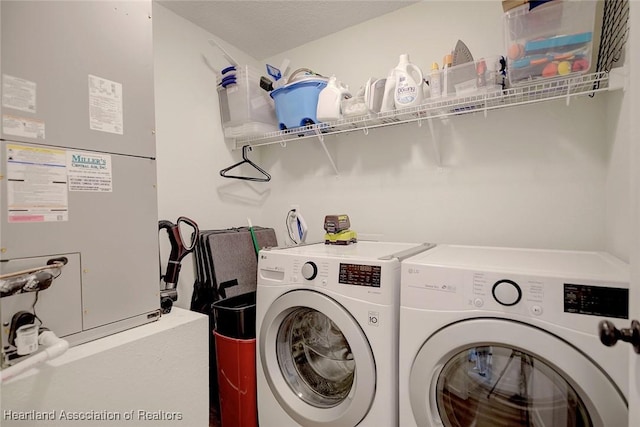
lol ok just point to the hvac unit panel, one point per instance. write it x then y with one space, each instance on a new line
108 216
78 74
64 296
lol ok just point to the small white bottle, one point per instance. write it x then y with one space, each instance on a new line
434 81
447 63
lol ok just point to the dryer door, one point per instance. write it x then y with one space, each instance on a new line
496 372
317 360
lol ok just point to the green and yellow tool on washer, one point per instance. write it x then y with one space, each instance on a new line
337 230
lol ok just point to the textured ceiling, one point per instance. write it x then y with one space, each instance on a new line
265 28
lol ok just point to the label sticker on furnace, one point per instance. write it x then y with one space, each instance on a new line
36 184
89 172
19 94
105 105
22 126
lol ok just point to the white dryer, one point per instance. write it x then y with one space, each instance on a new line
327 334
495 337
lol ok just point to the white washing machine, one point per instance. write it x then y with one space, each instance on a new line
327 334
509 337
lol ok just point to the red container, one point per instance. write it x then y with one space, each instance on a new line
236 362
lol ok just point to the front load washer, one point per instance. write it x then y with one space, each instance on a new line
327 334
495 337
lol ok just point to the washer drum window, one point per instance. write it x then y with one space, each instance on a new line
499 386
317 360
503 373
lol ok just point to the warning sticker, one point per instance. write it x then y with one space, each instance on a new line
89 172
105 105
21 126
36 184
19 94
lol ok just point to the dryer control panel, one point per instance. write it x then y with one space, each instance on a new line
567 288
596 300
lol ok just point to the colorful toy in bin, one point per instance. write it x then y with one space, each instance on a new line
551 56
338 232
296 102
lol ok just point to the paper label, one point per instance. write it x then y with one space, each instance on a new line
18 94
22 126
89 172
36 184
105 105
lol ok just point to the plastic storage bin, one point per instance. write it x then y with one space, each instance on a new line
297 102
235 342
552 40
245 108
472 78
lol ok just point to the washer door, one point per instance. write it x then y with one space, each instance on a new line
492 373
317 360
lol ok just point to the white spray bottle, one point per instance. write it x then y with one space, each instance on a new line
409 80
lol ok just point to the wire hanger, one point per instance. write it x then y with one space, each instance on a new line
246 148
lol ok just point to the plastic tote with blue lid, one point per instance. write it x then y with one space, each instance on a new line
245 109
297 102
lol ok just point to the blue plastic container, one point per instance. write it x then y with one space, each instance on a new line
296 103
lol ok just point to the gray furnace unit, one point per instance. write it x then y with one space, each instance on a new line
77 166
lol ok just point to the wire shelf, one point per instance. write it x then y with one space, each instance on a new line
536 92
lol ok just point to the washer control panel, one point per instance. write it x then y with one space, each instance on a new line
359 275
375 281
348 273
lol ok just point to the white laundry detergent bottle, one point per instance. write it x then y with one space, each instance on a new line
409 80
330 99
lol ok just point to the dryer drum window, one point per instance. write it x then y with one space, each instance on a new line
315 358
495 386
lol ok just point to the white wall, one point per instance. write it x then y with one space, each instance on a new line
191 149
543 176
634 130
618 213
533 176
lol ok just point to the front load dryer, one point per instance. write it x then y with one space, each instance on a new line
495 337
327 334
